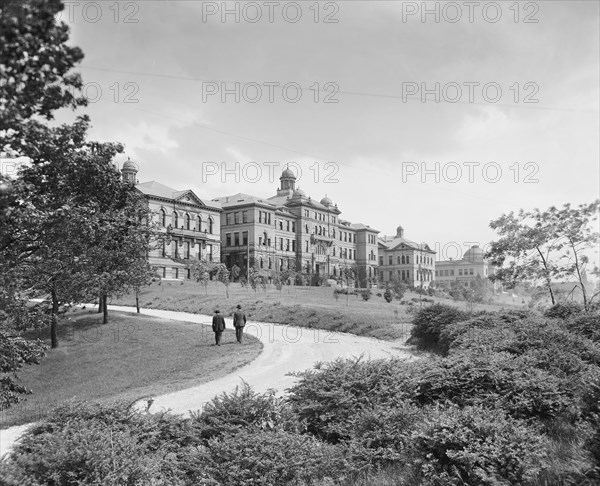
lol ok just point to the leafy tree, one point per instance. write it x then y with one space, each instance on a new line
543 246
201 272
398 287
35 77
222 274
235 273
387 295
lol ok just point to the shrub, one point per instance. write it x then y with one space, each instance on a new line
267 458
366 294
492 380
563 310
244 408
477 446
429 322
327 397
587 324
387 295
95 446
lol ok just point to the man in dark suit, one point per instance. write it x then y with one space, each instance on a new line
218 326
239 321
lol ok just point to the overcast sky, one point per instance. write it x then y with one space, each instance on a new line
496 152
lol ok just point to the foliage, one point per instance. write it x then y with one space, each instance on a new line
480 446
244 408
398 287
35 66
222 274
201 272
366 294
387 295
429 322
564 310
235 273
544 246
15 353
587 325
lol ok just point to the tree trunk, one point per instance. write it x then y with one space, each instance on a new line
137 300
579 277
99 304
105 309
548 282
54 323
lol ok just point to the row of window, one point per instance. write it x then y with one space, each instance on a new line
450 273
189 222
405 260
236 239
236 218
318 216
185 251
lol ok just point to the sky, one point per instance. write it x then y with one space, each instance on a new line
437 116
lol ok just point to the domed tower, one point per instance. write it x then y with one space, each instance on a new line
326 201
399 232
129 171
288 182
474 254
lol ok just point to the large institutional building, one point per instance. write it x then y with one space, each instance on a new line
289 231
192 226
292 231
472 266
413 263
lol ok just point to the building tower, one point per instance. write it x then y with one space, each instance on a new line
288 183
129 171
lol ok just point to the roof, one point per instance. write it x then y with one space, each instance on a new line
399 243
241 198
157 189
360 226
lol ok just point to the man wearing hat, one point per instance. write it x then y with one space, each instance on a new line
239 321
218 326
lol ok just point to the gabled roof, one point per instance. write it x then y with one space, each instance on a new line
360 226
157 189
241 198
399 243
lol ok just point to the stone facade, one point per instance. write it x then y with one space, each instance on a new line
471 267
192 226
292 231
413 263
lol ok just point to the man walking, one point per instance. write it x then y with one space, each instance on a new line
218 326
239 321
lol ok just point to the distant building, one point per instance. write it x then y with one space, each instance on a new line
292 231
413 263
471 267
192 226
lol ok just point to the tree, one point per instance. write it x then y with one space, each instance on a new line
222 275
539 247
235 273
201 272
398 287
34 67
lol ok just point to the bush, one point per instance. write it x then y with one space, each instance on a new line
563 310
587 324
366 294
267 458
329 396
477 446
244 409
94 445
429 322
387 295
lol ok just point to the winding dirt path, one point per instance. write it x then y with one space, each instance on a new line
285 349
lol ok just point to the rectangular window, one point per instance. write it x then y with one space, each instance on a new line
228 218
390 262
398 260
381 261
236 218
236 239
470 271
244 237
260 216
307 247
445 273
244 216
436 273
452 273
293 245
460 272
287 227
227 239
269 218
260 240
287 244
269 242
293 227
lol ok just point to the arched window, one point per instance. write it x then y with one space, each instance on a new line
174 219
199 222
261 263
210 225
407 259
187 221
163 217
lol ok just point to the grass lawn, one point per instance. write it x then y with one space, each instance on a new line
313 307
131 357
